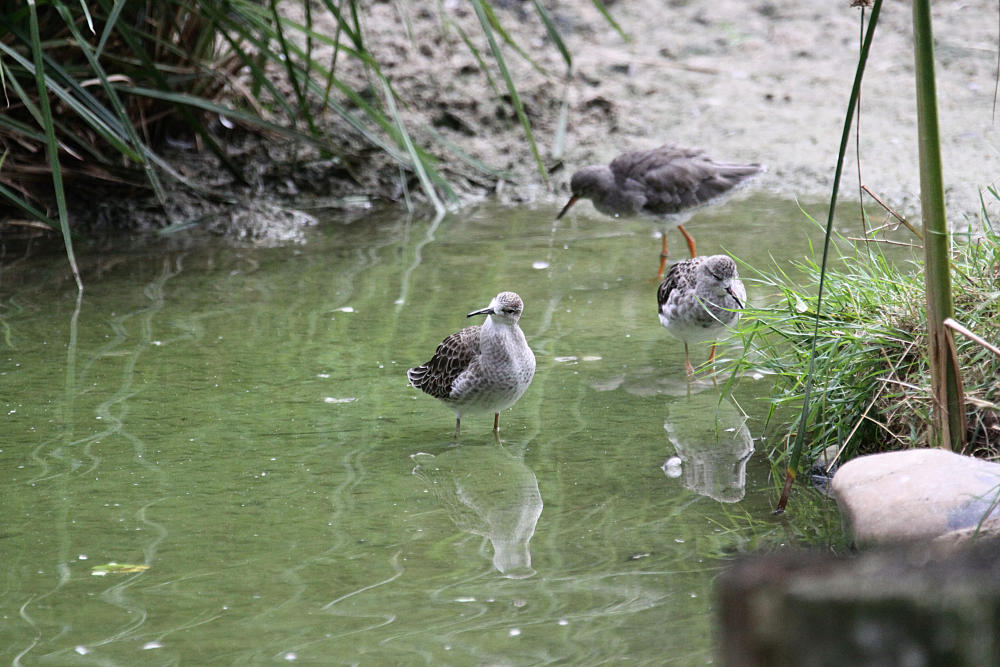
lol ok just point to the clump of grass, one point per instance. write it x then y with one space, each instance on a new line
871 388
99 87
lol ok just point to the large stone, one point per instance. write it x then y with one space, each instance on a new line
916 494
988 531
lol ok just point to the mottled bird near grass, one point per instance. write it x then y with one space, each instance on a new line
699 300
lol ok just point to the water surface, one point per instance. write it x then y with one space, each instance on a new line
237 421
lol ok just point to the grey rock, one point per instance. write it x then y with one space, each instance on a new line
918 494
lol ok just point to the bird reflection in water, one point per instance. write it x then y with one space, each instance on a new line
712 445
488 491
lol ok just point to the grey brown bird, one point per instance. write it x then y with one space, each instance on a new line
699 300
667 184
482 368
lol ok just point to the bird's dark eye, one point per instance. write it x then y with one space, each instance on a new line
510 310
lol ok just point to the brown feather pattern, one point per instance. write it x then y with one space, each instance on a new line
675 275
451 357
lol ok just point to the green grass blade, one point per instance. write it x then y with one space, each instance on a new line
194 102
124 122
797 447
494 22
86 13
345 25
611 21
559 138
309 40
290 69
35 112
109 26
134 41
333 68
417 162
258 74
946 377
553 32
511 88
52 146
15 126
95 121
242 27
390 126
478 56
478 165
18 201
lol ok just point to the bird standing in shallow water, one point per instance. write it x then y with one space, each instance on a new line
699 300
482 368
667 183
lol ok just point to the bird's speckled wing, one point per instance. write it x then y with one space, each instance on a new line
679 274
451 357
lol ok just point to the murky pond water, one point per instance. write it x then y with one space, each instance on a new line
238 421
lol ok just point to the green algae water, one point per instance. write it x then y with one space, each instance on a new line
213 457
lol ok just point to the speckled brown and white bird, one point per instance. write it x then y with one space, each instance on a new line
482 368
699 300
667 184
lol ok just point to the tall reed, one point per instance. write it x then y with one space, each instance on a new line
949 413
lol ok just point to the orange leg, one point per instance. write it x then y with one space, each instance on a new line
711 360
663 256
687 237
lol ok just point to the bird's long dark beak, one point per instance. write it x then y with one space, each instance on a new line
484 311
735 298
572 200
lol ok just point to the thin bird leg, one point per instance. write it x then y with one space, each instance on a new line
711 360
663 257
687 361
496 422
687 237
458 426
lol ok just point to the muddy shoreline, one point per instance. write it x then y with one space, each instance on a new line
762 82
